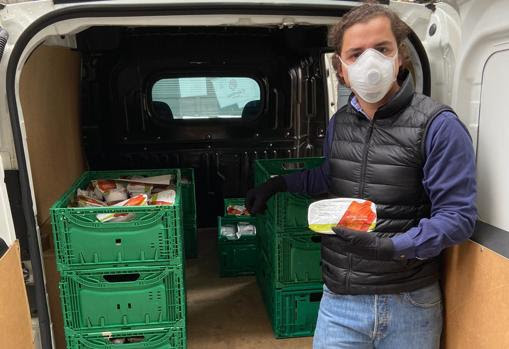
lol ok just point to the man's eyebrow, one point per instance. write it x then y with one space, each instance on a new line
360 49
383 43
354 49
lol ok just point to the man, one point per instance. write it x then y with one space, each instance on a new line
414 159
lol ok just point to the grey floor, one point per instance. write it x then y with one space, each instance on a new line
226 312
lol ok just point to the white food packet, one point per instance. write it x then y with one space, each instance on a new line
166 197
115 195
229 231
138 200
245 229
356 214
139 188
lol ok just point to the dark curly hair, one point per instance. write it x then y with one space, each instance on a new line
363 14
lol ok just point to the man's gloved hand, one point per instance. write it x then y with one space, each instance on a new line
366 245
256 198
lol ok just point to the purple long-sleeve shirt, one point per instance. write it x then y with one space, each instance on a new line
448 179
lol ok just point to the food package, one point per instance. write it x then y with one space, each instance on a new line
138 200
159 188
115 196
103 188
154 180
356 214
166 197
245 229
134 188
87 201
237 210
229 231
135 339
118 341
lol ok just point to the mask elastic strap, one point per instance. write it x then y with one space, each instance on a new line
337 55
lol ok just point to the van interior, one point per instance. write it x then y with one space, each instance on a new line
109 101
96 107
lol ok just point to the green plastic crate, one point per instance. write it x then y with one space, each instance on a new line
236 257
293 311
82 242
153 338
285 210
190 240
293 258
119 299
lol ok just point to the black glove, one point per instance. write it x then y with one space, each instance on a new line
256 198
364 244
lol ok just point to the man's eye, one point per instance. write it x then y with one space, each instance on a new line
382 50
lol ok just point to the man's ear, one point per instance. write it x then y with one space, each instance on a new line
341 75
400 60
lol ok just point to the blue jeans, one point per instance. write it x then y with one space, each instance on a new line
392 321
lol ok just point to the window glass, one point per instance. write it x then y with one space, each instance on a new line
206 98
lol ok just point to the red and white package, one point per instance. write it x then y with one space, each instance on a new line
356 214
107 188
237 210
87 201
115 196
138 200
166 197
134 188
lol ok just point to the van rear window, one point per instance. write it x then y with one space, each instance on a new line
195 98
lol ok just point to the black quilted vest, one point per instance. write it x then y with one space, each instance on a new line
382 160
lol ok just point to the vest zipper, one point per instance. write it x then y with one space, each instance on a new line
365 158
348 272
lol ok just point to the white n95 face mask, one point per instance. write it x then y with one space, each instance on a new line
372 75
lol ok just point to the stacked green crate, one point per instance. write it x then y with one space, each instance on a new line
236 256
189 213
289 266
121 282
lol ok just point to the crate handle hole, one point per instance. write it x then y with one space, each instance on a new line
129 305
293 165
118 306
122 277
118 242
315 297
127 340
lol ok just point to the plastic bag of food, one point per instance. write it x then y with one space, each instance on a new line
237 210
87 201
245 229
134 188
115 196
107 188
356 214
138 200
229 231
159 188
166 197
154 180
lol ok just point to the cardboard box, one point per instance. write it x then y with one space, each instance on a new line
15 321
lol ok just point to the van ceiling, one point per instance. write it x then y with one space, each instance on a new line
120 64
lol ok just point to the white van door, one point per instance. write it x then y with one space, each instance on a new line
7 232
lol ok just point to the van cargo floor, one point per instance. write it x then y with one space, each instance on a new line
226 312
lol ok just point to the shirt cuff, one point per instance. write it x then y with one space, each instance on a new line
403 246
